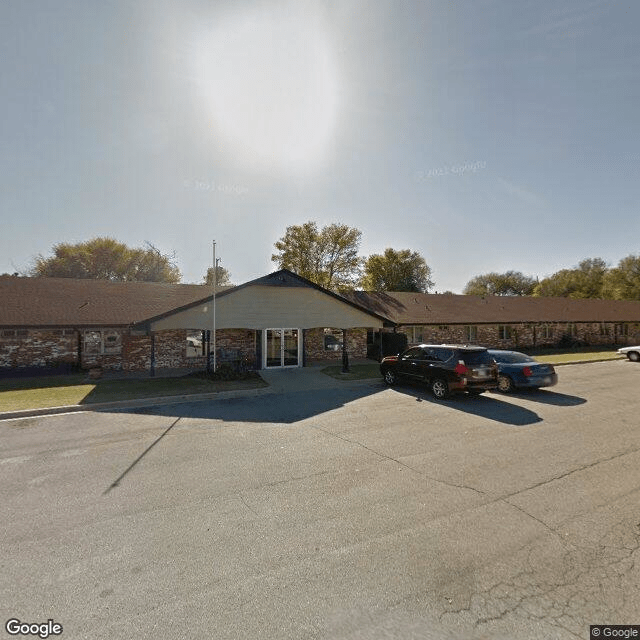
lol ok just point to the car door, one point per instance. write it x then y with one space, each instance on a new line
411 363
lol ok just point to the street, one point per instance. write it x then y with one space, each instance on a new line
362 512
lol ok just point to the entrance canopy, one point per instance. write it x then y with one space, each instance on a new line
281 299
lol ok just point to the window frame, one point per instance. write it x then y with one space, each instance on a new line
505 332
98 345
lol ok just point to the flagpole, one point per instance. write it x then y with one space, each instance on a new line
215 278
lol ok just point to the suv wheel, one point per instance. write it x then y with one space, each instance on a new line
439 388
505 384
390 377
634 356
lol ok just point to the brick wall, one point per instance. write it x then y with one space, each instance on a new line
232 344
315 351
37 348
171 350
521 335
48 347
130 351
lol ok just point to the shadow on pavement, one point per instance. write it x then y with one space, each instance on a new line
287 407
484 406
548 397
294 406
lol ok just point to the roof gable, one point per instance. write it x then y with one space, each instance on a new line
281 278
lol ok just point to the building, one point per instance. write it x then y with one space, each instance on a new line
279 320
505 321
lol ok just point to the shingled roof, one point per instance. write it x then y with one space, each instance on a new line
404 308
69 302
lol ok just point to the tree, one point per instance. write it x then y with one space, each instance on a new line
402 270
107 259
623 282
328 257
223 277
511 283
585 281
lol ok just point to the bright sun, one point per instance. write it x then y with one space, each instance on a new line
269 81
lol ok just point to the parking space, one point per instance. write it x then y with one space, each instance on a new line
352 511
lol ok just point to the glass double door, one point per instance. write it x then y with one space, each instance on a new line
282 347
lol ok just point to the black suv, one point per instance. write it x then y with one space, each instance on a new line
446 368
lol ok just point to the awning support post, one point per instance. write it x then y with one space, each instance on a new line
345 355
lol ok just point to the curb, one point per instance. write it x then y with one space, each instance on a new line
140 403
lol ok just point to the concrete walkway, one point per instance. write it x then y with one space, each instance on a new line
299 379
279 381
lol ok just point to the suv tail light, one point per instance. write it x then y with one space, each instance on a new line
527 371
461 368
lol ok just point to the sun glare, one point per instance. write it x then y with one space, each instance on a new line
270 87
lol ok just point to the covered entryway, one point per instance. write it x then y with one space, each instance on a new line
279 310
281 348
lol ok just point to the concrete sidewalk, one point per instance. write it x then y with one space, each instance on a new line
302 379
279 381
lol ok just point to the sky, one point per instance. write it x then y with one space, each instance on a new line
487 135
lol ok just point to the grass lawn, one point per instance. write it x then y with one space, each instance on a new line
58 391
576 356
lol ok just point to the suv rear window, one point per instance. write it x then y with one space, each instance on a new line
513 358
441 355
476 357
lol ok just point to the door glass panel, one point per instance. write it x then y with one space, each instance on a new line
290 356
274 348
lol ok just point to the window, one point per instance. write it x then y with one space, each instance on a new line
8 333
416 353
546 331
111 342
471 332
604 329
97 342
572 329
194 344
504 332
440 354
415 335
332 340
622 329
443 327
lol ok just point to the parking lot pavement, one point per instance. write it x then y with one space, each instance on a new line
348 512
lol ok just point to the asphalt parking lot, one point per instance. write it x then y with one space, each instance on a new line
348 513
